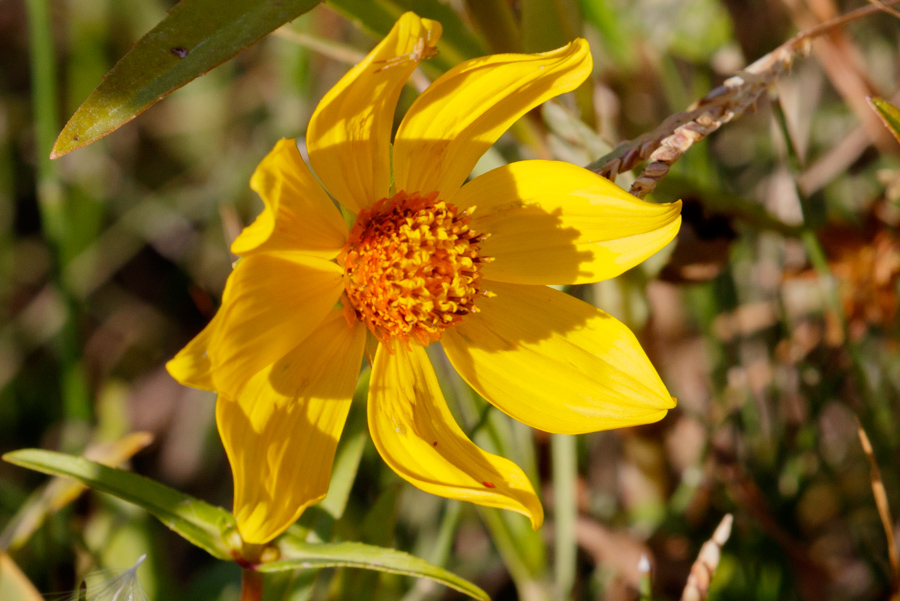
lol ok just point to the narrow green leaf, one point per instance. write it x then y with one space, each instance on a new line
200 523
512 542
196 36
889 114
521 548
377 529
299 555
440 552
59 492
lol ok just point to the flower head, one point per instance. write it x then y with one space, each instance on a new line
431 259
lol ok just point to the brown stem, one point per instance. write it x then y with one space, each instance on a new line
664 145
251 585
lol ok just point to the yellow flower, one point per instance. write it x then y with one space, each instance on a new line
429 259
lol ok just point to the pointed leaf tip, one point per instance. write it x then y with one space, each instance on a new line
200 523
298 554
889 114
195 36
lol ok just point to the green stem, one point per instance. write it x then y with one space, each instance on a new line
565 472
76 397
819 260
43 79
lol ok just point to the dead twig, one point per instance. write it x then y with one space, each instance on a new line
664 145
884 510
842 64
704 568
886 8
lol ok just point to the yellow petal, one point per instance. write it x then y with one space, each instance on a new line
191 366
298 216
350 132
462 114
271 303
555 223
281 433
418 438
556 363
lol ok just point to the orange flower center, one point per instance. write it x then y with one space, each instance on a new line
412 268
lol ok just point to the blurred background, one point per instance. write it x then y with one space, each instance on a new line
772 318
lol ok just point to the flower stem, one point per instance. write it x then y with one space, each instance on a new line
251 585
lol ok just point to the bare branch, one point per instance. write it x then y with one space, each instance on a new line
665 144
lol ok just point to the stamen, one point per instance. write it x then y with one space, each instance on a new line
413 268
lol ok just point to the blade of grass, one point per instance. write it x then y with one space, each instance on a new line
442 548
377 529
514 550
51 203
884 509
563 450
521 548
7 215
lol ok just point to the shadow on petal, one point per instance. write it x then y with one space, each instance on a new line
281 433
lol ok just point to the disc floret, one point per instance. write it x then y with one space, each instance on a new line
413 268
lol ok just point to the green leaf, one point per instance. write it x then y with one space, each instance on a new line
196 36
200 523
889 114
457 44
58 493
378 528
302 555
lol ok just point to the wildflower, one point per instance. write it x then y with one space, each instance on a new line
428 259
